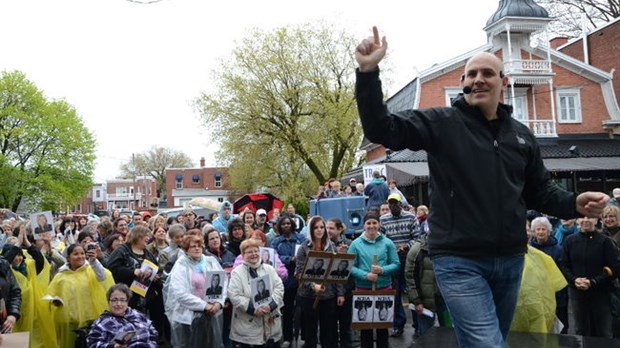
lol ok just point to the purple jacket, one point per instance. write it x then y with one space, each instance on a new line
280 268
104 329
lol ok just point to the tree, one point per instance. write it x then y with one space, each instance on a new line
154 162
47 154
283 111
568 14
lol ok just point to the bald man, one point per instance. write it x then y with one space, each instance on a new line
486 172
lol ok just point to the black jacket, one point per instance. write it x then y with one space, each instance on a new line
123 262
9 290
484 175
584 255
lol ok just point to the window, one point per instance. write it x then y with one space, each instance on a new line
519 108
218 179
98 193
121 190
451 94
179 181
569 106
220 199
195 179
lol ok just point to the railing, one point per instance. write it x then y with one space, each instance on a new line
527 66
542 128
124 196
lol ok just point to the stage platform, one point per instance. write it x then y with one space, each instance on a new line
441 337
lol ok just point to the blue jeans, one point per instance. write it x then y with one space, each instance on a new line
481 295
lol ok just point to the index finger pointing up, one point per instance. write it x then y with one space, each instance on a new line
375 34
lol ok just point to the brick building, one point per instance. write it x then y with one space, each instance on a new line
185 184
571 105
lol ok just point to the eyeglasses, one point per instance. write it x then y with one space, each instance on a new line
188 215
118 300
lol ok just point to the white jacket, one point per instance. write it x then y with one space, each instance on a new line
180 303
246 328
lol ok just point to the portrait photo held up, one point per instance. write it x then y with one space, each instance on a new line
148 272
41 224
261 292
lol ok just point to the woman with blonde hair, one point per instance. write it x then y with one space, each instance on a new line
254 326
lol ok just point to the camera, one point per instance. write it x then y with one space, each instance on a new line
91 246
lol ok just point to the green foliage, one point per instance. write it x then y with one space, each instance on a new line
154 162
46 153
284 111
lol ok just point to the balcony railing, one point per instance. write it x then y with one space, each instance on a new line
527 66
124 196
542 128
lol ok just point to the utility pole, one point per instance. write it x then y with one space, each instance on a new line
133 163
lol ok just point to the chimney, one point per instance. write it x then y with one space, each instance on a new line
202 162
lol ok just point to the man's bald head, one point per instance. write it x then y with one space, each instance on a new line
484 76
497 63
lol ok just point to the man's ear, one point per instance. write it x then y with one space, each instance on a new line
504 78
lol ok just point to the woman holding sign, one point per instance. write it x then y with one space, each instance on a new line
125 263
254 322
329 294
373 267
195 316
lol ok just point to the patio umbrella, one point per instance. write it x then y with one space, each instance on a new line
256 201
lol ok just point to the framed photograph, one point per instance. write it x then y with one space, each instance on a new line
217 284
260 290
42 225
373 309
148 272
268 256
384 309
340 268
316 267
363 309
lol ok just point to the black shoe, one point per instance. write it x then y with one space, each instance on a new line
397 332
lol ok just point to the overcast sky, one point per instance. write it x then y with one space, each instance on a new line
132 70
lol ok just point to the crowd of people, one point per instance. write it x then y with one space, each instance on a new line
469 263
54 287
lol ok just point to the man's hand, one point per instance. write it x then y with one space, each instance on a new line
370 51
591 204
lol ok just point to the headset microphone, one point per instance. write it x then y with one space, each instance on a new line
466 90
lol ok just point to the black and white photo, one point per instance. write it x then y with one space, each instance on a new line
42 225
261 292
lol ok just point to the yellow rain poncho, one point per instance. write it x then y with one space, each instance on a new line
84 300
36 316
536 304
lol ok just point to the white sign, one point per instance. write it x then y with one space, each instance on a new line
367 170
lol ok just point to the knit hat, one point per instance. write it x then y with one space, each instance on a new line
371 216
9 251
